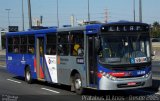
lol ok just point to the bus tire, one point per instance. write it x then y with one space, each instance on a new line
77 82
28 77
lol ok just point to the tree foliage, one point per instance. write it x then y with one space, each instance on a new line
155 32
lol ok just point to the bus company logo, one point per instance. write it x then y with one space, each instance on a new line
50 61
53 68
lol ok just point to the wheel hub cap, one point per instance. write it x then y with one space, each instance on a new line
28 76
77 83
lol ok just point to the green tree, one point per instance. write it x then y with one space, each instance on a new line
155 24
155 30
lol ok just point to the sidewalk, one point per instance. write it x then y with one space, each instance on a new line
156 49
3 52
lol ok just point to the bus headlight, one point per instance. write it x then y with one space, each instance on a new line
107 75
113 78
110 77
146 75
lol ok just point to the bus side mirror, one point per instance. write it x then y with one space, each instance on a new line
97 43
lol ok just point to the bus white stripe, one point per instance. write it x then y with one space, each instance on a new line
50 90
13 81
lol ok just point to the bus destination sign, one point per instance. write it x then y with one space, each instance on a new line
124 28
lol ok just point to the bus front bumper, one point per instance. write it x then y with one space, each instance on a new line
125 83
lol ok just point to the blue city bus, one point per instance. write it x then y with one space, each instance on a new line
106 56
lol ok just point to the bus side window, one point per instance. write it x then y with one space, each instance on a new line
30 44
23 44
16 49
77 43
51 50
63 43
16 40
16 43
63 49
31 49
51 44
10 44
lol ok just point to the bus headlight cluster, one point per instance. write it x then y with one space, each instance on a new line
146 75
108 76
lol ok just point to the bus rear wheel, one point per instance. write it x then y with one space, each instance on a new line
28 77
78 84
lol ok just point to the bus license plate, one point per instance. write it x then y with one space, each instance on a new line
131 83
140 60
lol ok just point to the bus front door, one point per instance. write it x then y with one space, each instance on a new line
40 57
91 60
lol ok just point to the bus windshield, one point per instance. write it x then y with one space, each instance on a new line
121 48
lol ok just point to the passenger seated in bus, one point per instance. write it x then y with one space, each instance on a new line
77 50
16 50
31 49
61 50
41 50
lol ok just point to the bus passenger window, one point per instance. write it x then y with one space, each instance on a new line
16 49
10 48
51 50
16 40
23 40
63 43
77 43
23 44
31 40
31 49
10 44
51 44
23 49
10 40
63 50
77 50
30 44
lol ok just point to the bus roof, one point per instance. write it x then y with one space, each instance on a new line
41 31
90 29
93 28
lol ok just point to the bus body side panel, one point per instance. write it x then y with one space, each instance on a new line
67 64
50 68
16 64
13 62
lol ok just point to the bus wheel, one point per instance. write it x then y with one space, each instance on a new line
28 77
78 84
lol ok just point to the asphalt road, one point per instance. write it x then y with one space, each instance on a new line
14 88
